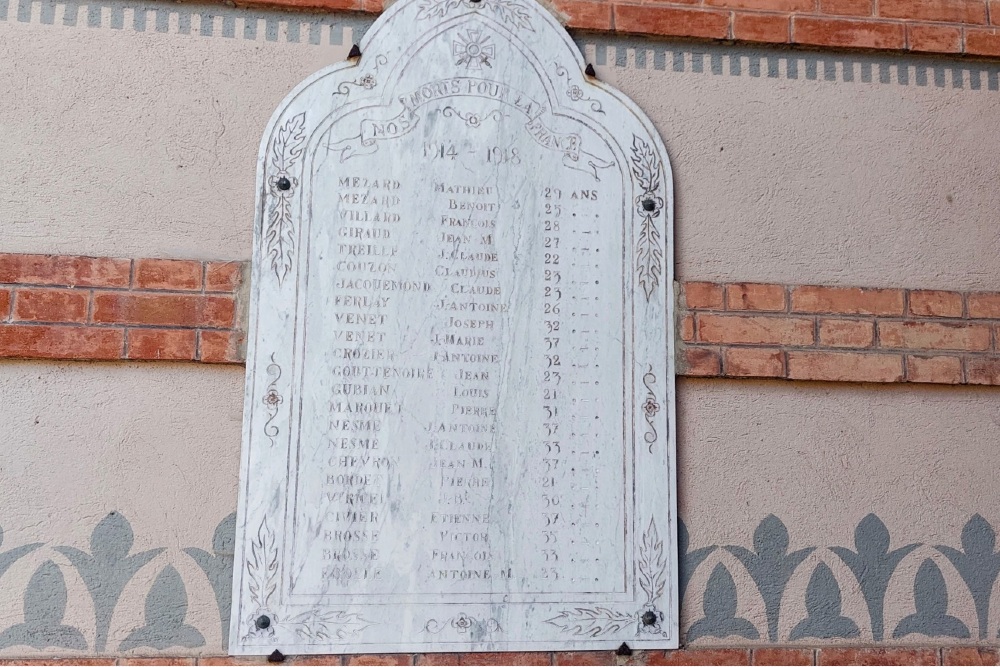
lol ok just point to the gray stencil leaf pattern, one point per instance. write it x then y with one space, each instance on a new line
823 608
873 565
8 558
719 606
108 568
218 567
930 597
978 564
44 607
688 560
770 566
166 609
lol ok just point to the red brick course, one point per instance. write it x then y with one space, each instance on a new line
929 26
846 7
934 38
754 296
984 42
848 33
829 655
773 28
783 656
839 334
877 656
183 310
970 655
67 307
162 344
672 21
70 271
50 305
846 333
167 274
847 300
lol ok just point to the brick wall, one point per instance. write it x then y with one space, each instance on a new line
840 333
958 655
66 307
969 27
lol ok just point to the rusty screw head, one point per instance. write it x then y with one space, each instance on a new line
263 622
284 184
649 618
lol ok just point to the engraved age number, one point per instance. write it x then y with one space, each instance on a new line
552 468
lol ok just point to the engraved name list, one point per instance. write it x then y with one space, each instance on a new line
459 397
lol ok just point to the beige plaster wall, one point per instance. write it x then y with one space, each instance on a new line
159 445
923 458
144 143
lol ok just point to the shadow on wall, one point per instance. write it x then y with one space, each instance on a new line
109 566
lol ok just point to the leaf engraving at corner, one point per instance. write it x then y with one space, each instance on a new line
279 233
511 12
649 253
592 621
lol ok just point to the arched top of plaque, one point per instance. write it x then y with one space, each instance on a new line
421 51
459 417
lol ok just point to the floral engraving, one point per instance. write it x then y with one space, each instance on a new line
262 575
464 624
575 93
320 626
592 621
473 120
511 12
473 49
272 399
649 255
650 408
367 81
279 237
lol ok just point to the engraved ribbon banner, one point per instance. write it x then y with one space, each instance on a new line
374 130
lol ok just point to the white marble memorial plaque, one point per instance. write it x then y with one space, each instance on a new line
459 417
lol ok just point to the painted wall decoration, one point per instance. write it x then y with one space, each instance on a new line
909 593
